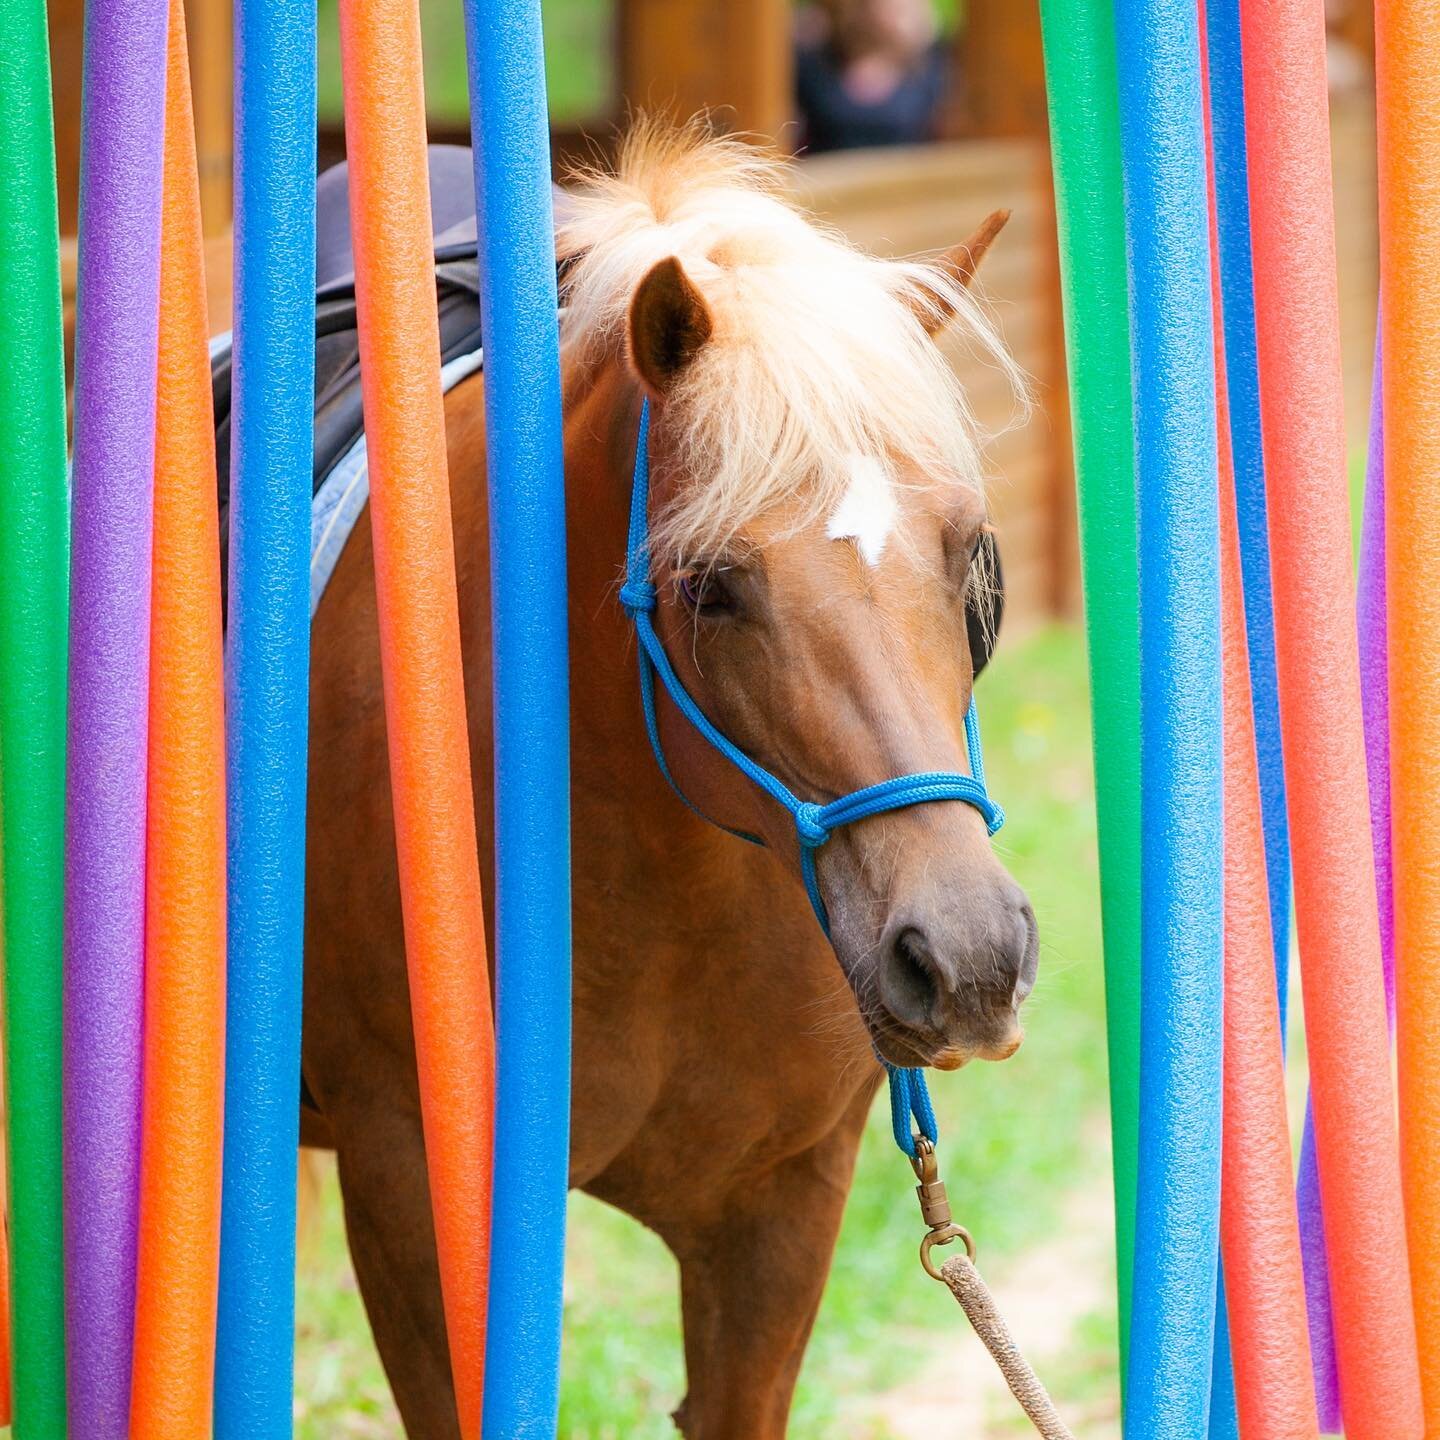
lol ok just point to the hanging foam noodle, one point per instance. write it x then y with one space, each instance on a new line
116 325
525 461
178 1251
267 661
1268 1355
1408 96
1079 38
1297 321
34 519
420 654
1172 360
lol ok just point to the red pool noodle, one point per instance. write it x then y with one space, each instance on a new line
1287 105
1259 1229
1408 105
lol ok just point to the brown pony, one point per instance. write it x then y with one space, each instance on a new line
816 511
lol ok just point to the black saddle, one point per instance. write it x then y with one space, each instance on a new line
339 415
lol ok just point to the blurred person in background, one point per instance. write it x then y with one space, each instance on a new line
1347 67
869 72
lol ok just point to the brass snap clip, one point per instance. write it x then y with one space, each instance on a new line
935 1208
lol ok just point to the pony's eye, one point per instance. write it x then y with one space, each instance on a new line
706 592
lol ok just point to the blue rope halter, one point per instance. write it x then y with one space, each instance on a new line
814 824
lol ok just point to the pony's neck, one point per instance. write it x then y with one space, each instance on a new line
602 415
622 803
614 771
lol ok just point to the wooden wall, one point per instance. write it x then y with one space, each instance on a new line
1001 89
1357 245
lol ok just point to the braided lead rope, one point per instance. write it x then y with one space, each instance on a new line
960 1274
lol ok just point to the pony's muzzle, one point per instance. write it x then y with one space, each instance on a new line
951 982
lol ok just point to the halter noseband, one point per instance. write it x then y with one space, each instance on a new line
814 824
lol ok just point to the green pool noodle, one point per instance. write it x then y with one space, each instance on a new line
34 522
1079 40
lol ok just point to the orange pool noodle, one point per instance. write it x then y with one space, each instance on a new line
178 1253
1408 102
1297 323
420 646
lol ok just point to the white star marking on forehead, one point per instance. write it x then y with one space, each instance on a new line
868 510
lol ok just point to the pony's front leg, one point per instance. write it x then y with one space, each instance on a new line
751 1285
392 1243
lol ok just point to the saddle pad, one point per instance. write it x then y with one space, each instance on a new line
340 476
339 411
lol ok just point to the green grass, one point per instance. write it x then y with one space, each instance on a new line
1358 461
1014 1137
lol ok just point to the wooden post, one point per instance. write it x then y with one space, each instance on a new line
1004 72
209 26
729 56
210 55
67 29
209 22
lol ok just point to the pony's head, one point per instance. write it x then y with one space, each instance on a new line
817 518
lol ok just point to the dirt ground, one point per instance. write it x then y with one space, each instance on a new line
1058 1298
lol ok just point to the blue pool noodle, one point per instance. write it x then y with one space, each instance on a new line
532 715
1242 385
267 709
1167 232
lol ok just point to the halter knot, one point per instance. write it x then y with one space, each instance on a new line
810 826
637 595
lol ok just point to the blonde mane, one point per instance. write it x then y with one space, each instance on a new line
818 354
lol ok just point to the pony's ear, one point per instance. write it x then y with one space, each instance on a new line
669 322
960 264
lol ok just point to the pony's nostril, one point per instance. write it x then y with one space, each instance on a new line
1029 954
908 982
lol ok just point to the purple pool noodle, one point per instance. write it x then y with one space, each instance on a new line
1316 1267
1370 612
115 356
1375 702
